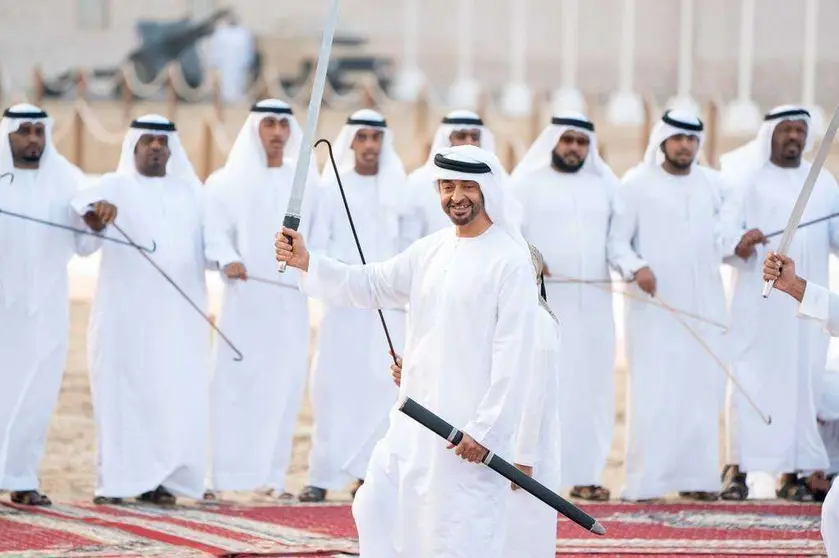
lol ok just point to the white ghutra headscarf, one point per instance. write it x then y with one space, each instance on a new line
248 152
178 165
247 155
458 121
468 162
539 154
746 159
391 178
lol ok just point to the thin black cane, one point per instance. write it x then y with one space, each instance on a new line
239 356
355 236
806 224
80 231
11 178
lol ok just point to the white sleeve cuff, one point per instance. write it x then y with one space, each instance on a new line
815 303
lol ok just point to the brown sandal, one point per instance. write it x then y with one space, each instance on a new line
592 493
30 498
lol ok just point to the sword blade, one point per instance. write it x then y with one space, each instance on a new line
295 202
806 190
301 172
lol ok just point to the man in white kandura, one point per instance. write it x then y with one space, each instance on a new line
469 346
531 525
818 305
148 348
665 237
350 377
567 192
37 182
255 402
422 204
777 359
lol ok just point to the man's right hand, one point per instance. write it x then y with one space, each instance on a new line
646 280
781 270
236 270
746 247
101 215
296 254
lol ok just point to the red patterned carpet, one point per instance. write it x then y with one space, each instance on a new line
761 529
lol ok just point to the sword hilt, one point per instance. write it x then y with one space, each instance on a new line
767 288
290 222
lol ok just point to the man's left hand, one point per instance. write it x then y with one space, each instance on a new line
102 215
526 469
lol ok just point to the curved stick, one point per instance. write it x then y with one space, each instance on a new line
239 356
78 231
355 236
644 299
764 417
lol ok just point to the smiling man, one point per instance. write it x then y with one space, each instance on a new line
472 313
347 379
252 443
423 215
778 359
665 237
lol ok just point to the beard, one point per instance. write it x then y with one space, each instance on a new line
29 156
562 165
462 218
677 164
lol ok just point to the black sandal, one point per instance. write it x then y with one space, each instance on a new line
159 496
734 485
107 501
794 490
700 496
30 498
818 484
592 493
312 494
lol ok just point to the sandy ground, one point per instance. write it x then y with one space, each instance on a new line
68 469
